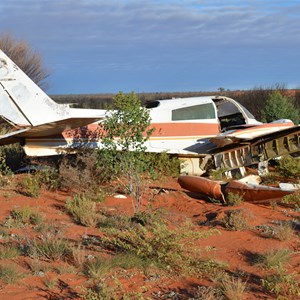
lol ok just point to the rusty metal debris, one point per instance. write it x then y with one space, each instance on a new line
201 185
249 189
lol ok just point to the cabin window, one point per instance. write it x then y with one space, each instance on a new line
196 112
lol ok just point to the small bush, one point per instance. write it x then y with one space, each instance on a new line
285 286
279 107
4 169
10 274
293 199
49 282
49 179
285 231
270 178
83 210
236 219
8 251
166 248
29 186
232 288
207 293
233 199
97 268
78 256
5 172
101 291
289 166
218 174
20 217
162 164
81 173
274 259
130 261
50 247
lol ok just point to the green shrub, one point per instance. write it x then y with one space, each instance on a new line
29 186
23 216
4 169
123 144
293 199
289 166
167 248
233 199
162 164
83 210
11 156
279 107
130 261
49 179
285 286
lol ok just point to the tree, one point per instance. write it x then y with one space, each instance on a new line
127 127
24 57
125 131
279 107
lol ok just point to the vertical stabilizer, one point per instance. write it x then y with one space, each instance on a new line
22 102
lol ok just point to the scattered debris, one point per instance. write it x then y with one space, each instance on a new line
120 196
248 187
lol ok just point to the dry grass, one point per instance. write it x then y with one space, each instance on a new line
237 219
274 259
232 288
83 210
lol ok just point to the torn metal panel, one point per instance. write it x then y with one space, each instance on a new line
253 193
259 149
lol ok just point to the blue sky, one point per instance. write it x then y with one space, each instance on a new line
95 46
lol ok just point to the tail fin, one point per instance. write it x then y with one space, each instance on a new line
22 102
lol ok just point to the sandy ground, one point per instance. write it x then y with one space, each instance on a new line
235 248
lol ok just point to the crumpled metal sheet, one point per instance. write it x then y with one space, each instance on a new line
249 192
254 193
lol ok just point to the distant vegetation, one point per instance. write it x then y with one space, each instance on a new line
101 101
254 100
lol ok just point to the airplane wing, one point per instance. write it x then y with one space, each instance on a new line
45 130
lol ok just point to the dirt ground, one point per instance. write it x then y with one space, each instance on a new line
237 249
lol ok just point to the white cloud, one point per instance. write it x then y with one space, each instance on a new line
139 36
114 22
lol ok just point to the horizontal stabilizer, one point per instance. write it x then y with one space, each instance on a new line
45 130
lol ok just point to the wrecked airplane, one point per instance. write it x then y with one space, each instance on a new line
206 132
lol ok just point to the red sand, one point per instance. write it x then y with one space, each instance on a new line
233 247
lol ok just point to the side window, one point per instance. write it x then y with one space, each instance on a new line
196 112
